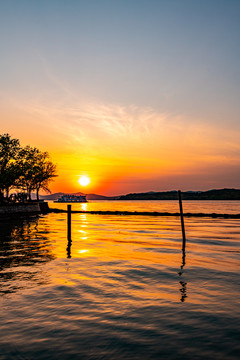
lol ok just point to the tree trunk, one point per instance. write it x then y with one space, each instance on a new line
1 196
37 194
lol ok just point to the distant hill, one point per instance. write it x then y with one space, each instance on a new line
54 196
221 194
100 197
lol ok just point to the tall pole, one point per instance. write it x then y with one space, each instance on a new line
182 220
69 221
69 231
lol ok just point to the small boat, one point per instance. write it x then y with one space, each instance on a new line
71 198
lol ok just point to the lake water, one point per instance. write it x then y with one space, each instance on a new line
123 288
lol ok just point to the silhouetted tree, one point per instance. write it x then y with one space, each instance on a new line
37 170
45 171
25 168
9 169
27 159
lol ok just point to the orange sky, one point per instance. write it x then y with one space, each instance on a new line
127 149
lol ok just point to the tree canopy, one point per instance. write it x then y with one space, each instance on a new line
25 169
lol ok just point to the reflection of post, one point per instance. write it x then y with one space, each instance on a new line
183 290
183 284
182 220
183 259
69 231
69 248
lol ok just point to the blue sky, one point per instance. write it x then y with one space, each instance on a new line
178 60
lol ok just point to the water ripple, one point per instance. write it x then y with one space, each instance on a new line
123 288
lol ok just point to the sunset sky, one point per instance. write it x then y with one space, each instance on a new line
138 95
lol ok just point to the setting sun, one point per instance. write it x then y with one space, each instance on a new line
84 180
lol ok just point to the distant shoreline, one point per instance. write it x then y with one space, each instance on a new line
219 194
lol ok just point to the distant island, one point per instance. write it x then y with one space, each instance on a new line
219 194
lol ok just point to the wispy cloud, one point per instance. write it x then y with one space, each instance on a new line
140 132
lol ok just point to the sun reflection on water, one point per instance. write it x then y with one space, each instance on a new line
83 251
84 206
140 244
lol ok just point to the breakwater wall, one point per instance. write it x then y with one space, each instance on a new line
23 210
148 213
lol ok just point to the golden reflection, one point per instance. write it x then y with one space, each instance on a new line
128 246
84 207
83 251
83 220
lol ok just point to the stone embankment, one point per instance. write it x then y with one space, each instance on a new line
23 210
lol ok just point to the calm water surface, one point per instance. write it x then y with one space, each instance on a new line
123 288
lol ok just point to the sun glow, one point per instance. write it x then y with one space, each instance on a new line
84 180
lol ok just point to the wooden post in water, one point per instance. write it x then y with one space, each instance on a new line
69 221
182 220
69 231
